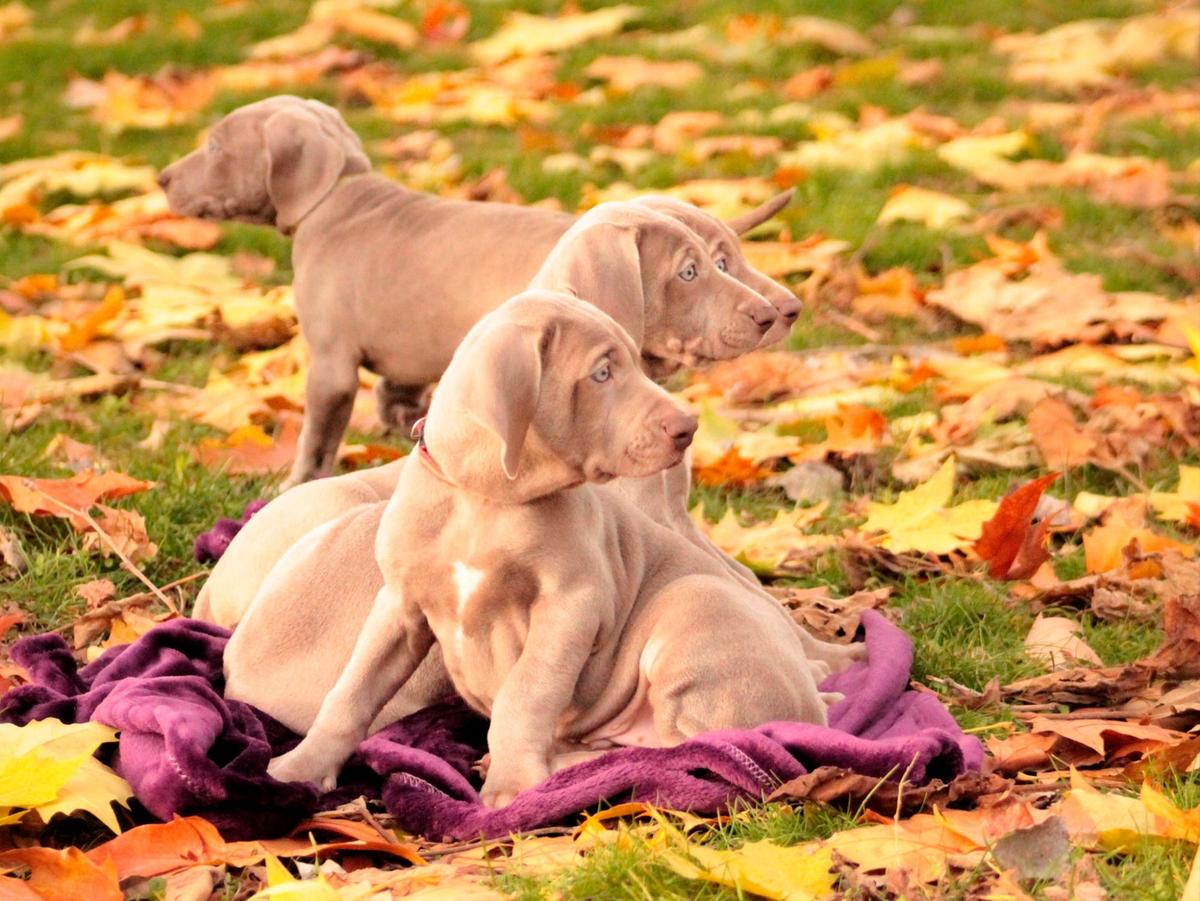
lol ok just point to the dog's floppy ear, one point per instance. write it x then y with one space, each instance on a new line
601 264
505 384
760 214
303 164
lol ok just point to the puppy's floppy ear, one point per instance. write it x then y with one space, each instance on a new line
505 385
602 265
303 164
760 214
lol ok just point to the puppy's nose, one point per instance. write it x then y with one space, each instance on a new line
788 310
764 316
680 427
164 178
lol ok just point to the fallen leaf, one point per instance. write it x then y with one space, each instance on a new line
1037 852
48 766
1010 542
1057 642
159 848
628 73
908 203
81 492
1104 546
760 867
523 34
920 520
64 875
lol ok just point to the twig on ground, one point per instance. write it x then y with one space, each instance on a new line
130 566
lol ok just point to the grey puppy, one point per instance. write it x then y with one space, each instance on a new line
385 277
562 611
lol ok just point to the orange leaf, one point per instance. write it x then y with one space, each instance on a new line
445 22
1057 436
1116 395
162 847
1011 535
82 333
81 492
854 429
66 875
1104 546
251 450
730 469
978 344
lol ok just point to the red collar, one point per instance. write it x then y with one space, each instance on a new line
423 454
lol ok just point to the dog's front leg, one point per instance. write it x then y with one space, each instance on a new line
394 639
328 403
535 694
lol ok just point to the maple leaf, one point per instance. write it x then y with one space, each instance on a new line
920 520
159 848
81 492
1011 543
62 874
48 766
523 34
730 469
908 203
1104 546
768 546
1180 505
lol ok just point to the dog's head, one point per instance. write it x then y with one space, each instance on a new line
268 162
725 249
655 276
546 392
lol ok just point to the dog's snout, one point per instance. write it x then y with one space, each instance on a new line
680 427
789 310
763 315
164 178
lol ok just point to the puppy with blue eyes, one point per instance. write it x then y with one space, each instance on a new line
563 612
650 272
385 277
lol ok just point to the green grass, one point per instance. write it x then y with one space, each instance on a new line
964 627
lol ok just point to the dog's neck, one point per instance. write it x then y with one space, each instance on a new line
458 451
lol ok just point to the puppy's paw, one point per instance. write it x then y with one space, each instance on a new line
504 783
306 764
829 698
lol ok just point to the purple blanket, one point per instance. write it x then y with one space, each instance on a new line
185 749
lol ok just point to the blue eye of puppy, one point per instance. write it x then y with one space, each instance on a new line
603 374
721 264
689 272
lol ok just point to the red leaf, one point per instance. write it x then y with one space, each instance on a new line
1011 543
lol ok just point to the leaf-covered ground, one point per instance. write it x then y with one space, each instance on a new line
986 422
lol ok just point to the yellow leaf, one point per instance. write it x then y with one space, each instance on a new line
1175 822
931 208
772 871
920 521
1176 506
765 546
93 787
48 766
523 34
1107 819
714 436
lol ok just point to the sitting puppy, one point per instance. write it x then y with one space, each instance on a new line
563 612
648 271
385 277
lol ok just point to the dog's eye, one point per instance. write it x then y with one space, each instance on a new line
721 264
688 273
603 374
